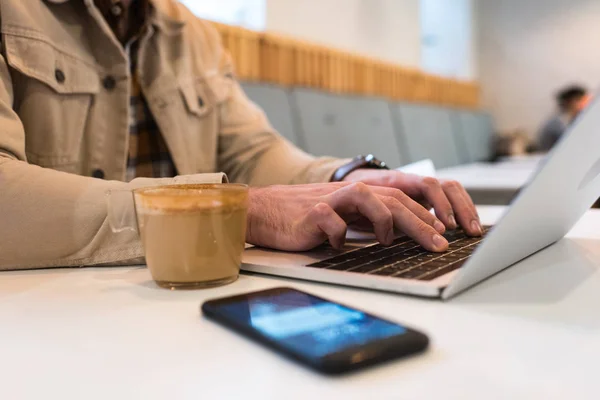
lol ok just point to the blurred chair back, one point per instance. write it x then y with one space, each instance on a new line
275 101
426 132
346 126
476 131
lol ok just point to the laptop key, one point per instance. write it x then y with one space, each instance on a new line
467 251
342 258
383 263
386 271
459 244
454 256
432 256
392 259
407 246
380 247
393 269
387 255
403 239
411 253
345 266
442 271
435 264
410 274
366 269
453 235
428 267
473 240
371 250
450 258
420 259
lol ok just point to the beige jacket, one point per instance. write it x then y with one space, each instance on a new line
61 124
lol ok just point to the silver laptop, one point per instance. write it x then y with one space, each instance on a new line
563 189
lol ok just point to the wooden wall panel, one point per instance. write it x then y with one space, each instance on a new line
267 57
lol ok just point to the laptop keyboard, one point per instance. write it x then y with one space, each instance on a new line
405 258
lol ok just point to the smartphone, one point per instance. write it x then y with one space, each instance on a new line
326 336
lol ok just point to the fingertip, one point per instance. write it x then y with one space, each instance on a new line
340 241
338 244
439 226
476 228
440 243
452 222
390 237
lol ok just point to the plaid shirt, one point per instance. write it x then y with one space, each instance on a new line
149 156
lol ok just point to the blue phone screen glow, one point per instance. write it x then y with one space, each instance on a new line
310 325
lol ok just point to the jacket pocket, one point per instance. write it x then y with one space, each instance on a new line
54 90
202 98
202 95
196 98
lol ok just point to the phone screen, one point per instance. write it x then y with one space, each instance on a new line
306 324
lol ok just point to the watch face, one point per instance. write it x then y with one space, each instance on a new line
380 164
373 162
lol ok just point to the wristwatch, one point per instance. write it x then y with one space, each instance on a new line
360 162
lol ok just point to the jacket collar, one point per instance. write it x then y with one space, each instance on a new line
169 25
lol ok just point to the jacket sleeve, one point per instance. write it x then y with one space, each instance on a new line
251 151
54 219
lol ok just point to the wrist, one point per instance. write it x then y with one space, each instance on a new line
369 162
376 177
259 215
251 216
357 175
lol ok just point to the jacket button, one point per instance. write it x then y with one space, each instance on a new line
98 173
60 76
109 83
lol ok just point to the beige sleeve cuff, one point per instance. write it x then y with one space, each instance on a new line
215 178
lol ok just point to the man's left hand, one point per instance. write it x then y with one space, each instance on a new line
451 202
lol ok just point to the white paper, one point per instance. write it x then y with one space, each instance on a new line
421 168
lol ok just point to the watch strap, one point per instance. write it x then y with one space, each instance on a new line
360 162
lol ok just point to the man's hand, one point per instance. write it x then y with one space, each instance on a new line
298 218
449 199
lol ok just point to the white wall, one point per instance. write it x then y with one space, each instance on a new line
530 48
385 29
250 14
448 38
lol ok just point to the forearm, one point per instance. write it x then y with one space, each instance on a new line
54 219
283 163
252 152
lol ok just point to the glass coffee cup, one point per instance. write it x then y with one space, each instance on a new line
193 235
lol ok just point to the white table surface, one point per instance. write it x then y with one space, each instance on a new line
532 332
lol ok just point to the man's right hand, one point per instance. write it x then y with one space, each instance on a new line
299 218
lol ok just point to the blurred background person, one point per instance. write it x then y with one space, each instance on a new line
570 101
